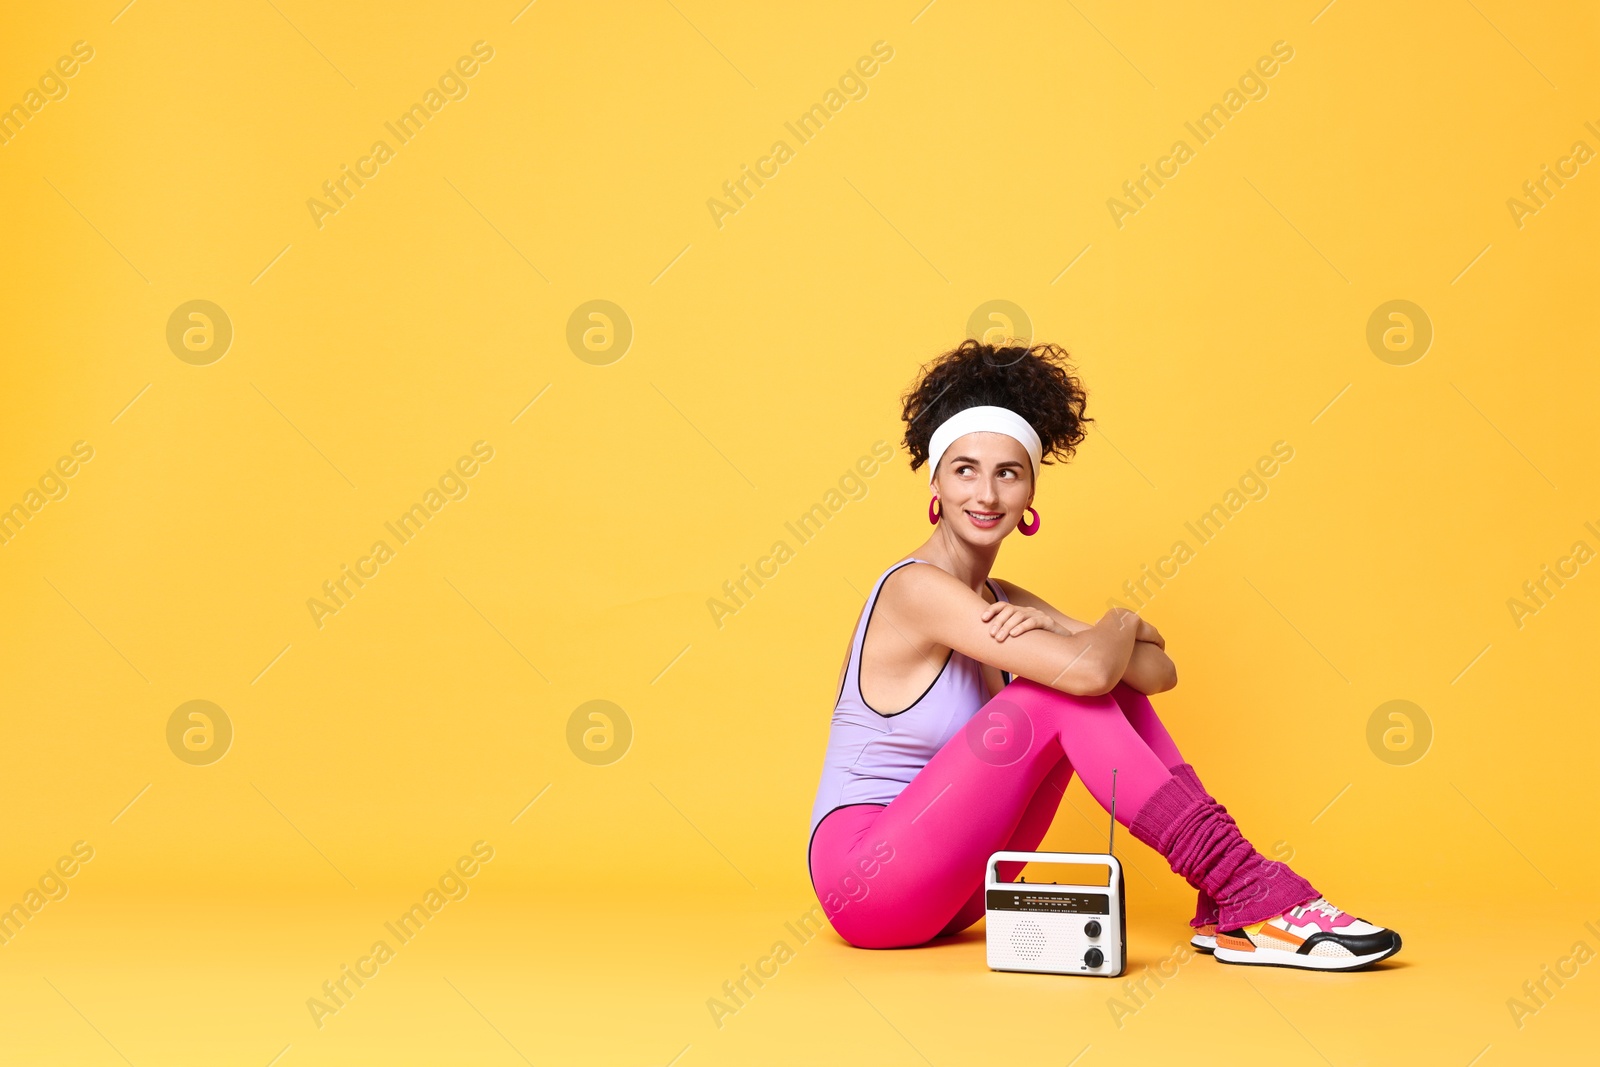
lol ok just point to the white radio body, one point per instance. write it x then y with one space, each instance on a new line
1056 928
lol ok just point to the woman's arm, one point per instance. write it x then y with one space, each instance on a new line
1150 669
926 602
1018 595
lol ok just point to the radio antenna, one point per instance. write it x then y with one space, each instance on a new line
1110 837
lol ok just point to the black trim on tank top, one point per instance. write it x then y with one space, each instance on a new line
813 838
840 694
862 655
854 652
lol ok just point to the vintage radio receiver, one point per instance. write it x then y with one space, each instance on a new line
1058 927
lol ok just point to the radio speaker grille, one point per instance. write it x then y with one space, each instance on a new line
1027 940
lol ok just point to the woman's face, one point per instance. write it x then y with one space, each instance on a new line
984 483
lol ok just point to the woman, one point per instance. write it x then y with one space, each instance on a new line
965 704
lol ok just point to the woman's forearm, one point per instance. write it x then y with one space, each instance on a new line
1150 670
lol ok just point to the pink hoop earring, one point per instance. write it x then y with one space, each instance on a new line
1029 529
935 516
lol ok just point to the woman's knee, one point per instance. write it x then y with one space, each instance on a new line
1031 693
1046 707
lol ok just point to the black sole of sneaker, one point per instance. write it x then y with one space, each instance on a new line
1363 965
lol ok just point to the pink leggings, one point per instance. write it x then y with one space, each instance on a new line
901 874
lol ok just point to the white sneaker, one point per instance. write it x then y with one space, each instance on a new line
1315 936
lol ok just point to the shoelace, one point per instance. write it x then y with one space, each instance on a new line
1320 904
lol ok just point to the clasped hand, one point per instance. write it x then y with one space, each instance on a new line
1007 620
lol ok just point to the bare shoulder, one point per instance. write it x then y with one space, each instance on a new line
919 578
918 589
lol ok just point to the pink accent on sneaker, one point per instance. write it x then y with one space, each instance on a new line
1318 913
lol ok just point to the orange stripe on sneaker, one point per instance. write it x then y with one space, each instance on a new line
1284 935
1238 944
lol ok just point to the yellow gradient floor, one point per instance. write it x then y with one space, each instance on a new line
500 978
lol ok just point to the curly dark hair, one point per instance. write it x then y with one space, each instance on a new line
1035 381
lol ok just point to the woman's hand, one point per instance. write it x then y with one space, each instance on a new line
1150 633
1120 617
1007 620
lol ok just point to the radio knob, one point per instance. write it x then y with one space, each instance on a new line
1093 929
1094 957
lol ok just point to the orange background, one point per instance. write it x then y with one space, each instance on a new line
642 458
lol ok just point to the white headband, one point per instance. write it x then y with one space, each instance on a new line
983 418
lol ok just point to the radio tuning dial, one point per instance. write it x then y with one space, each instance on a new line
1093 928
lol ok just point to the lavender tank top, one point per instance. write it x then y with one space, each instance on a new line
872 756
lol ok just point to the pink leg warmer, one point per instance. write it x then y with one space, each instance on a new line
1205 909
1201 842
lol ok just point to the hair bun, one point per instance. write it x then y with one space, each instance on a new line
1034 380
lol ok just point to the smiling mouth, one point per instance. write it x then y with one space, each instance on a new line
987 516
